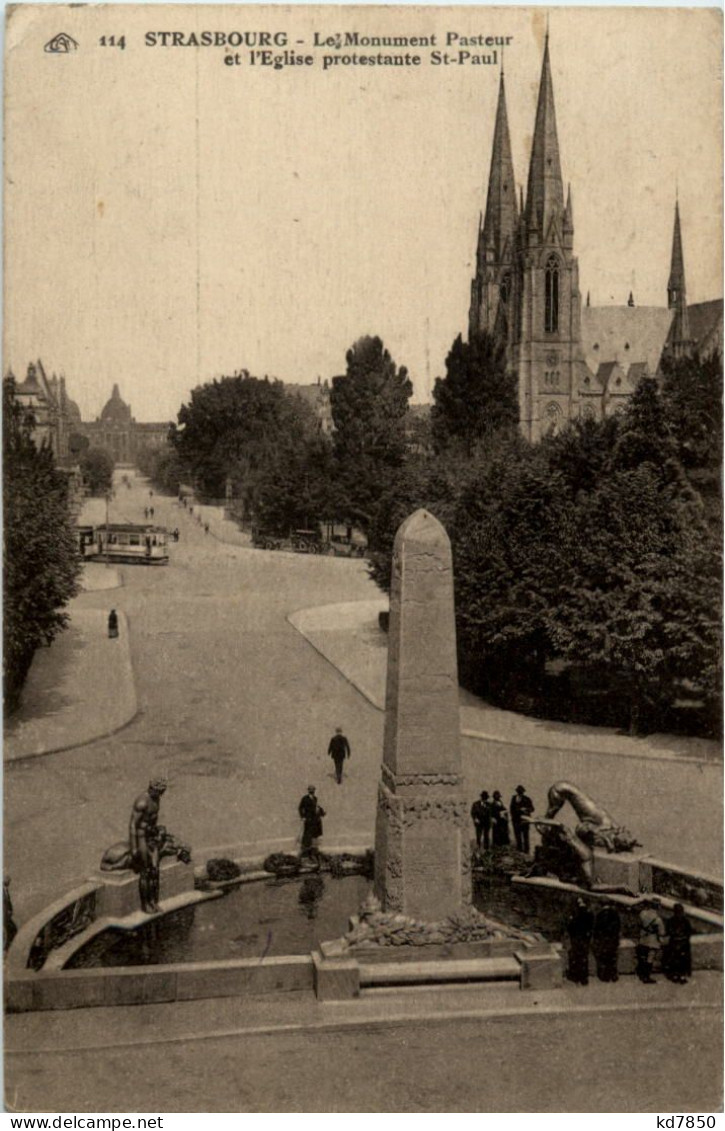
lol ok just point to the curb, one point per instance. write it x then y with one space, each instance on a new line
10 760
482 736
381 1021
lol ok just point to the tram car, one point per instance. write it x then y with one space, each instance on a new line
125 542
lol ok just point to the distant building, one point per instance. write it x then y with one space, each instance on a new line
318 398
56 417
120 434
569 361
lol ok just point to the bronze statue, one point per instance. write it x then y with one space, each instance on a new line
596 828
148 843
569 854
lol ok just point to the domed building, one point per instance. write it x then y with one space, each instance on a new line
118 432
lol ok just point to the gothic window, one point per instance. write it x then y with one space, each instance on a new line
553 419
551 295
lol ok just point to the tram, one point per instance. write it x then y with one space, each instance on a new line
125 542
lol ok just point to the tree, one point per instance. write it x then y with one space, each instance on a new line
96 466
41 559
369 406
235 427
477 397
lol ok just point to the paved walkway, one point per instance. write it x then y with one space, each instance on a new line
391 1051
348 636
78 690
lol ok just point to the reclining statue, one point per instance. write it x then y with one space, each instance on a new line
569 854
596 828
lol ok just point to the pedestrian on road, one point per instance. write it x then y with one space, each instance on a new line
10 929
521 806
146 512
112 624
605 942
649 943
339 750
677 955
206 527
311 813
481 817
579 929
499 821
151 511
176 534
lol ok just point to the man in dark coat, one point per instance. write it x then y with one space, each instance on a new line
521 806
677 955
481 817
339 750
113 624
605 943
311 813
579 928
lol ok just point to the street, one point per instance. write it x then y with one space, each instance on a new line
237 709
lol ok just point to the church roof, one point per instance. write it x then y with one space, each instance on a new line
706 324
627 334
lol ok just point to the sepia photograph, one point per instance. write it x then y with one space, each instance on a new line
362 590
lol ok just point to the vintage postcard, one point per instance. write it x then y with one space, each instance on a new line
362 593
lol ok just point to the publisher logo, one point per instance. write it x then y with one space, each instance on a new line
61 44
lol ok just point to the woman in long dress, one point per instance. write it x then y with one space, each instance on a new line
499 822
112 624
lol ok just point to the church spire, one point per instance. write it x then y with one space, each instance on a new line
679 336
676 283
500 220
545 194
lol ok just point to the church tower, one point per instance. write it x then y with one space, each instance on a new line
545 334
678 340
491 287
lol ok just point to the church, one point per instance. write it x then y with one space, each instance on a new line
571 360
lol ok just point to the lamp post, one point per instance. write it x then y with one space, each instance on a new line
108 533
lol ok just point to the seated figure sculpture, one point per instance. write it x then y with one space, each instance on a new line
147 843
569 854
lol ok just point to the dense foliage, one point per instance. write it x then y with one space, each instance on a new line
587 567
477 398
96 466
163 467
588 574
237 428
41 561
369 409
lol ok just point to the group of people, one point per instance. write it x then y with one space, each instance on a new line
491 820
667 943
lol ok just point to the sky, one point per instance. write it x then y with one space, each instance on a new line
170 218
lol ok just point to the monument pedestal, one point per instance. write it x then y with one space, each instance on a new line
118 896
422 856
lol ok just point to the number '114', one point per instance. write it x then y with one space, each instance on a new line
113 41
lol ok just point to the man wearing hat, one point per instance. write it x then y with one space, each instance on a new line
143 841
481 817
311 813
521 806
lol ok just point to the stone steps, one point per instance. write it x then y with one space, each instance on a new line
383 974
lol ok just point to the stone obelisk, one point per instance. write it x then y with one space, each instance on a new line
422 865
